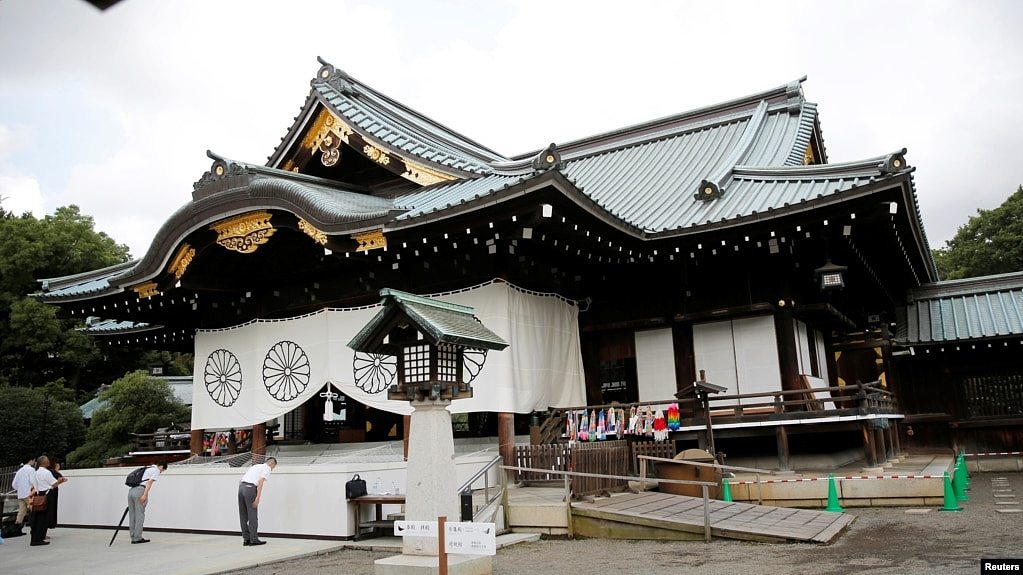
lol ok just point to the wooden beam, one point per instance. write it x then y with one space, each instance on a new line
259 439
195 443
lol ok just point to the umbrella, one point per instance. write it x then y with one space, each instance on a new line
119 524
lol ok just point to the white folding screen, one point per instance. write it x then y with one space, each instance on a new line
655 364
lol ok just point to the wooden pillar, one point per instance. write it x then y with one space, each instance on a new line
879 446
406 425
781 436
788 355
259 439
868 445
685 357
196 441
506 437
896 440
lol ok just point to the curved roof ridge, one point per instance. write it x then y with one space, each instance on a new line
790 94
891 162
374 114
968 286
52 284
236 167
807 121
723 171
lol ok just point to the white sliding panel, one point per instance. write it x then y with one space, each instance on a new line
655 364
756 355
715 354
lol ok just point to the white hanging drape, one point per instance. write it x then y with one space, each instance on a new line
255 372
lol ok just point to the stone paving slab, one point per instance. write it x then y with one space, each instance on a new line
85 551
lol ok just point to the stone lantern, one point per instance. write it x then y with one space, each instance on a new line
428 337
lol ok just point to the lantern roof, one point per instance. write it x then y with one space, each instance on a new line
439 322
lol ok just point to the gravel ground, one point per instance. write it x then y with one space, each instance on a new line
881 540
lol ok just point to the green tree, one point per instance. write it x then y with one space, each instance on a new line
38 421
36 347
991 242
136 403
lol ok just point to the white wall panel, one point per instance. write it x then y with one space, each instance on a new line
655 364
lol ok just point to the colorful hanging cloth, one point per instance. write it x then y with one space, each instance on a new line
674 419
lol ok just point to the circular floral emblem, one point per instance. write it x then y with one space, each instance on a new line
286 371
473 360
374 372
223 377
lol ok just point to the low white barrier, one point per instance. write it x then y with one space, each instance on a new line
298 500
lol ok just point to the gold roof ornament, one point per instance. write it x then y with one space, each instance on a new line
146 290
370 240
181 260
245 233
808 155
311 231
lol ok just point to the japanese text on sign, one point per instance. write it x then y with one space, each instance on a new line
470 538
415 528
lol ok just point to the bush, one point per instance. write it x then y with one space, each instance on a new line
136 403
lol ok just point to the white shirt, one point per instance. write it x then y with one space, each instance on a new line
43 480
151 473
23 480
255 473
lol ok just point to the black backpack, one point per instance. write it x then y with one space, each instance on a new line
134 478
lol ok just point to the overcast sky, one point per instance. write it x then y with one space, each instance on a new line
113 111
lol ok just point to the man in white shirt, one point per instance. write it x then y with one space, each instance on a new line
42 482
249 491
23 483
138 497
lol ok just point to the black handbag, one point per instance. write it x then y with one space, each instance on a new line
355 487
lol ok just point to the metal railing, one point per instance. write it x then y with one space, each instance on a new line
705 485
485 474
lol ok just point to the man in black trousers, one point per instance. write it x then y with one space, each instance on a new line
249 491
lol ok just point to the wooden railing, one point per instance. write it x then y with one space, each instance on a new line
852 399
161 441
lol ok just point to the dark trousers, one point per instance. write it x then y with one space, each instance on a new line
248 514
40 523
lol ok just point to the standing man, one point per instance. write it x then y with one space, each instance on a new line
42 482
138 496
23 483
249 492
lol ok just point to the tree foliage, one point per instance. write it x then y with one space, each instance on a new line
38 421
35 346
135 403
991 242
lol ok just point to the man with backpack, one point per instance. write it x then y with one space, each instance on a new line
141 482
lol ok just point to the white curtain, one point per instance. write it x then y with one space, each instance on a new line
261 370
655 364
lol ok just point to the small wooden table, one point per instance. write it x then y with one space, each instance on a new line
378 522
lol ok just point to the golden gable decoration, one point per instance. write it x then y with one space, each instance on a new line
370 240
311 231
146 290
181 260
245 233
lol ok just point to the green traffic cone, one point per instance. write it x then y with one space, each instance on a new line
951 503
726 492
966 472
833 505
958 488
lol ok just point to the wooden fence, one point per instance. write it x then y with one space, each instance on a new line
993 395
605 457
663 449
